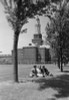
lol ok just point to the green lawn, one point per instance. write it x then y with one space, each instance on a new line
6 71
49 88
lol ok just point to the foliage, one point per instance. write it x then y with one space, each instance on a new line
58 30
18 12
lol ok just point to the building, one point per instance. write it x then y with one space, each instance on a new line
36 52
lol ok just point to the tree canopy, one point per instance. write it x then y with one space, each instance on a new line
18 12
58 30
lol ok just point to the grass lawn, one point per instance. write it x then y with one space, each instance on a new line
49 88
6 71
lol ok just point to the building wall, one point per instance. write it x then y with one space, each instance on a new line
33 55
29 55
20 56
42 53
45 55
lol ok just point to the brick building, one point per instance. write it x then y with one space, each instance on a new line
37 53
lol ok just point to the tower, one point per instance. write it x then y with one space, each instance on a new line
37 40
34 54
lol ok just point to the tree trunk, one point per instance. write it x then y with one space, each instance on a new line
58 62
61 67
15 56
58 59
61 63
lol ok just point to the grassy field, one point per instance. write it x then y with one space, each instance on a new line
6 71
49 88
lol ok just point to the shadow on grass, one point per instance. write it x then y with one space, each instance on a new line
60 83
66 71
51 99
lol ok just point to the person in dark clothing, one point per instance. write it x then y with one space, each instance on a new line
42 71
45 71
33 71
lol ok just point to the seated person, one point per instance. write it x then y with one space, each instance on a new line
33 71
42 71
46 72
39 73
36 72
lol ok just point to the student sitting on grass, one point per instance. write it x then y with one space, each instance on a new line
36 72
39 71
33 71
46 72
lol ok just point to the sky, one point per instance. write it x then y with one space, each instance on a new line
7 34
